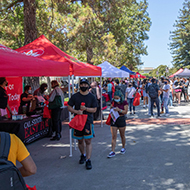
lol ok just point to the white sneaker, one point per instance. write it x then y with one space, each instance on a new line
147 105
144 106
123 150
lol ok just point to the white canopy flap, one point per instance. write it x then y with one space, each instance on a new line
109 70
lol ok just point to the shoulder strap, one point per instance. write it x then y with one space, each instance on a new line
4 145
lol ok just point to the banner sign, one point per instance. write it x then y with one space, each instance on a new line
14 90
35 129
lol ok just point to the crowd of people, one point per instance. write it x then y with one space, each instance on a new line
155 93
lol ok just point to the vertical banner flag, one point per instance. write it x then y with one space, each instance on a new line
14 90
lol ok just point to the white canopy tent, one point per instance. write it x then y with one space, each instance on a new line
109 70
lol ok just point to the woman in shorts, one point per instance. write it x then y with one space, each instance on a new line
178 88
121 106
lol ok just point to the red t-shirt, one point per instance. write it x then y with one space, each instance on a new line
119 105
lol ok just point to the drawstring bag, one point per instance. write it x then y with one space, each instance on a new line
136 101
108 122
78 122
31 188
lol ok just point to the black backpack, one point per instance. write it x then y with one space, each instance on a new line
11 178
152 91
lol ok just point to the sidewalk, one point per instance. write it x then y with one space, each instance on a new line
157 157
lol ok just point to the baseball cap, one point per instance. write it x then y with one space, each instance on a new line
84 81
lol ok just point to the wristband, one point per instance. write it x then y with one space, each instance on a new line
120 110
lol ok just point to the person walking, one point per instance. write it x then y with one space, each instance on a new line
56 112
166 94
129 97
85 136
120 106
154 92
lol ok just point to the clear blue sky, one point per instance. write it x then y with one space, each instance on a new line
163 14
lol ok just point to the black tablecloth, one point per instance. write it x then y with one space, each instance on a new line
29 129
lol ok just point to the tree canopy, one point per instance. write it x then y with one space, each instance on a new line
180 38
91 31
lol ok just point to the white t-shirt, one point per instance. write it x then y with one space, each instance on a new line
130 92
165 87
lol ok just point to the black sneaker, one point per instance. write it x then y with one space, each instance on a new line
82 159
88 165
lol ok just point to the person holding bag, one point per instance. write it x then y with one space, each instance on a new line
129 97
81 103
120 106
56 104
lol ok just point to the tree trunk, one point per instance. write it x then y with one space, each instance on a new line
89 53
30 33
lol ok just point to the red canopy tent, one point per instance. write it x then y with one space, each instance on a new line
43 48
13 63
138 75
179 71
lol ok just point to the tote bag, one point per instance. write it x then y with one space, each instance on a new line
56 103
78 122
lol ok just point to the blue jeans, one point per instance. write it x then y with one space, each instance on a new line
170 101
156 100
165 100
130 102
110 95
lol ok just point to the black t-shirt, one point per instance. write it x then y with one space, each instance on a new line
3 98
89 100
22 103
177 85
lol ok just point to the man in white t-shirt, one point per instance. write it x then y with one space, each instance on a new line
129 96
166 94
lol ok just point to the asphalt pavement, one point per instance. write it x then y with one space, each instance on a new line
157 156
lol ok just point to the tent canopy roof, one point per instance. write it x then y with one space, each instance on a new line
124 68
137 75
43 48
109 70
13 63
179 71
185 73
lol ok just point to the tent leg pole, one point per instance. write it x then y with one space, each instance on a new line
101 112
70 131
72 94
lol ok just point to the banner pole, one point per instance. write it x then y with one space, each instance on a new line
72 94
70 130
101 100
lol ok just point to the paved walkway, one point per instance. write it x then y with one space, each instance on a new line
157 157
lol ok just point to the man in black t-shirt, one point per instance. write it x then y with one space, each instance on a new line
25 99
89 108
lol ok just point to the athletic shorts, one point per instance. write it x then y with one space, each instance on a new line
120 122
86 133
